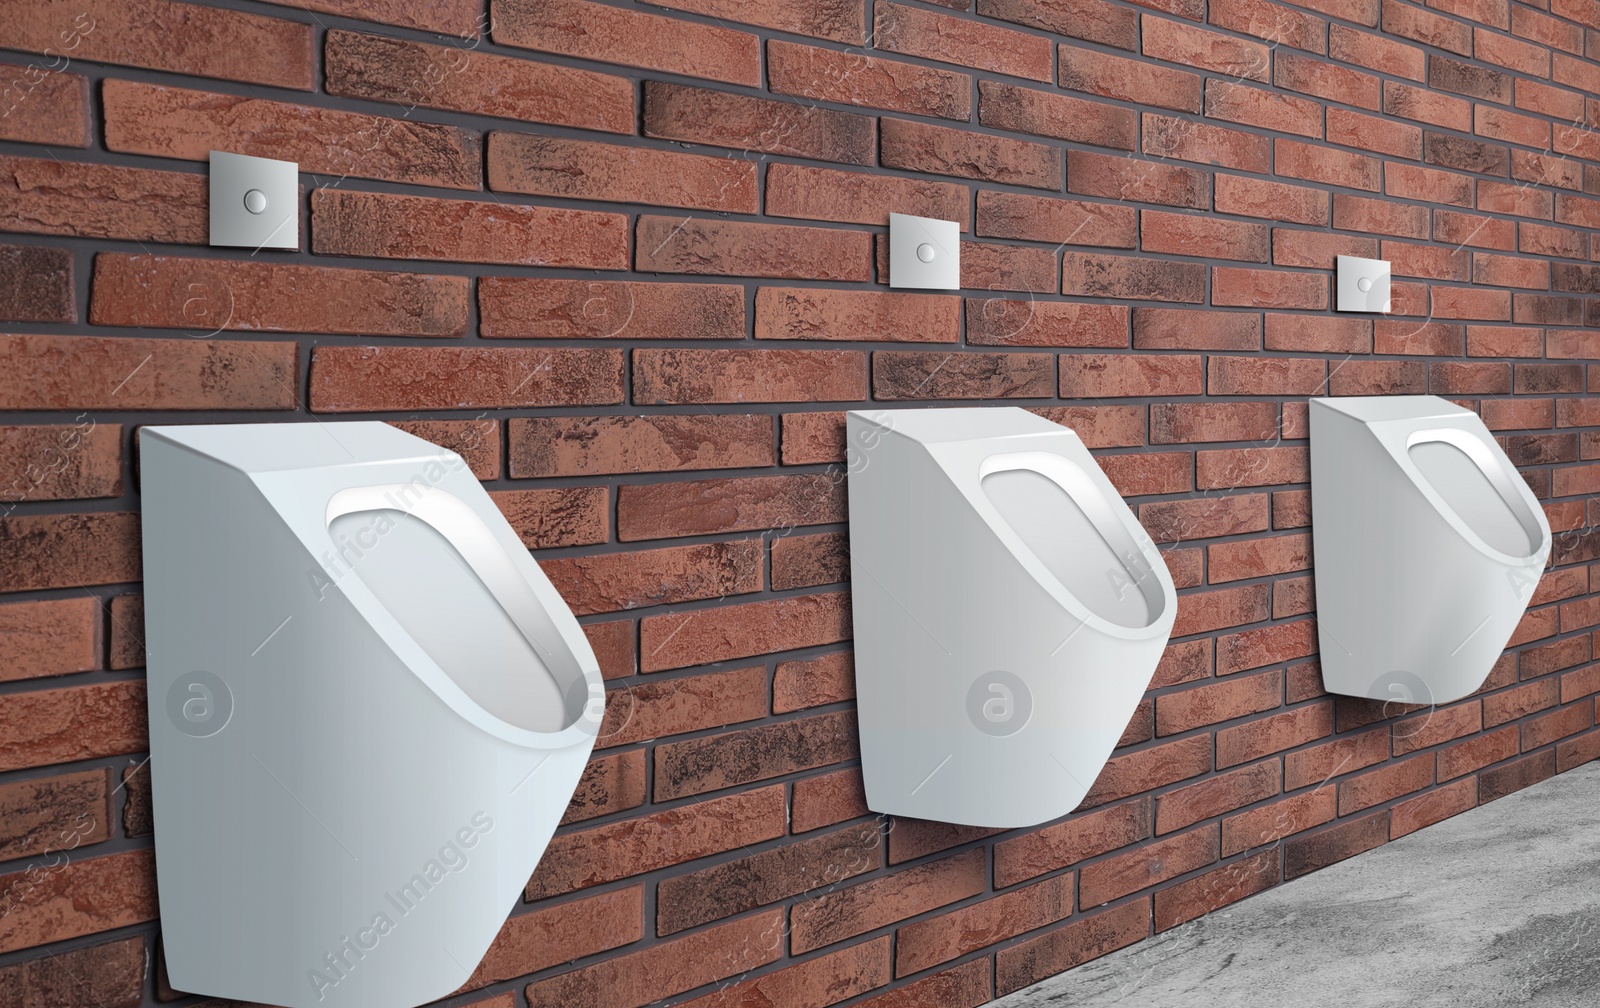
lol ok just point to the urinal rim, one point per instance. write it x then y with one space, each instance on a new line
1402 435
584 729
987 465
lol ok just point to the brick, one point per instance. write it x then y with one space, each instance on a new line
614 581
1464 155
364 379
753 754
566 516
462 18
716 376
1066 843
1111 76
745 883
1090 20
1470 303
594 31
55 813
1516 775
550 936
110 975
1546 170
822 980
1100 426
1187 140
1059 221
665 969
906 374
993 267
1262 108
1146 865
838 20
1546 30
84 372
1216 795
914 838
1062 117
1248 558
476 441
180 123
1318 850
1215 889
826 194
1195 329
1175 42
738 631
1498 124
613 783
389 226
1337 83
538 307
947 39
60 462
1296 247
1376 52
1265 375
936 940
156 34
1347 754
1224 701
1003 322
1398 336
1141 181
1510 271
1274 733
1429 185
1087 938
1103 375
724 119
457 79
852 79
1477 752
827 799
1182 423
572 169
1096 275
589 446
49 108
48 638
72 723
49 196
1272 822
1457 77
941 150
1140 473
82 897
1144 769
577 860
1318 164
738 248
829 679
1330 335
964 986
1384 784
1250 197
1189 234
712 506
811 314
614 642
1427 27
1557 724
1434 806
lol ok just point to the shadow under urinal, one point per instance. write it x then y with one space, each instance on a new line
1428 546
368 712
1008 611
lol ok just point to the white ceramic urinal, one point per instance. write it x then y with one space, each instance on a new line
1009 612
368 711
1428 547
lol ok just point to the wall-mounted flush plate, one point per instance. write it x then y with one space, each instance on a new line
255 202
1363 284
924 252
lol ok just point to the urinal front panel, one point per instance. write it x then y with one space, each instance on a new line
982 699
359 842
1416 597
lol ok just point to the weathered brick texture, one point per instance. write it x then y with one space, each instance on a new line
629 260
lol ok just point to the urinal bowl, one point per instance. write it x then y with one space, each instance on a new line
1009 612
359 806
1428 546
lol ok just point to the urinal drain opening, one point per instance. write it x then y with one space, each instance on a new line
999 704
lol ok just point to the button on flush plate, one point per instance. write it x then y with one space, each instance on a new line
924 252
255 202
1363 284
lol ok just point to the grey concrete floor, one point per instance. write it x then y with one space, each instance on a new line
1496 906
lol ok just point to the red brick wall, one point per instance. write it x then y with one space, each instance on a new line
629 260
